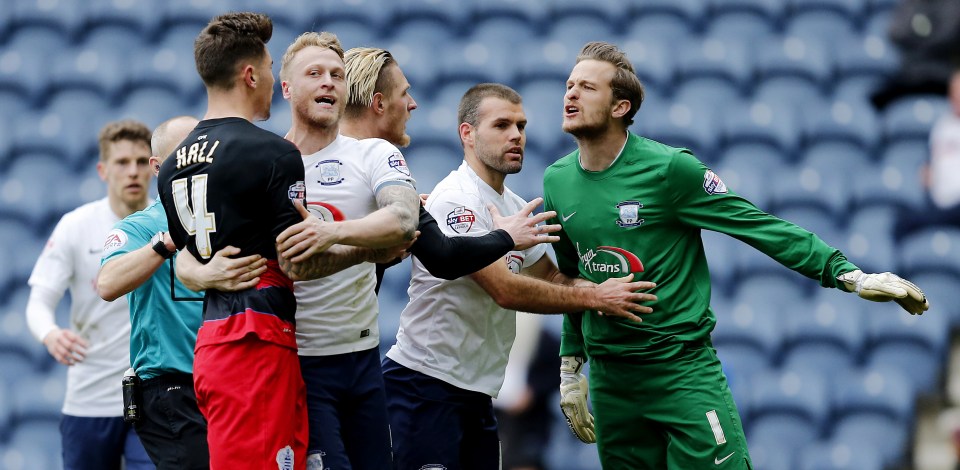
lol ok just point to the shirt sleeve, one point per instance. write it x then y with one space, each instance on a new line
55 266
387 166
459 213
452 257
702 200
125 237
285 185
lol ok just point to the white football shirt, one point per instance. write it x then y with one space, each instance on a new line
71 260
338 314
945 161
453 330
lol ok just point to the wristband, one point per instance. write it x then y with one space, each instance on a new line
160 247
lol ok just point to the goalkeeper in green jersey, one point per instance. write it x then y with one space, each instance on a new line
631 205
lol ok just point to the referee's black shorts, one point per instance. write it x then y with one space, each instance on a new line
171 427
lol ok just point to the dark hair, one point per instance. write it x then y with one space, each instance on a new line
469 109
226 41
126 129
625 84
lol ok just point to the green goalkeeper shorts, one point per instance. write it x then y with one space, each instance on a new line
677 414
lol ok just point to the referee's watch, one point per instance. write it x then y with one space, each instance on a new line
160 247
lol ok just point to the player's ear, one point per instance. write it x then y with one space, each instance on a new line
102 170
466 133
378 103
249 76
621 108
285 89
155 164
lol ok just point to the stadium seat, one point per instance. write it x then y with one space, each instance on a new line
745 169
435 122
543 106
294 14
856 88
851 9
714 58
843 121
554 56
351 33
101 70
502 30
932 249
124 13
151 105
832 27
797 57
826 358
21 68
378 15
430 163
40 396
478 61
34 445
887 435
280 117
810 214
657 27
794 431
694 12
740 26
533 12
826 322
611 11
769 10
869 239
450 13
896 180
689 125
867 56
941 290
912 117
192 12
762 122
27 187
16 339
819 183
741 357
826 455
913 360
770 453
799 396
881 391
170 63
64 15
82 113
877 23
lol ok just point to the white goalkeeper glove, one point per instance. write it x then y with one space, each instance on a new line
573 399
884 287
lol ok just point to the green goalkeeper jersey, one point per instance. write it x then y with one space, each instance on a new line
644 215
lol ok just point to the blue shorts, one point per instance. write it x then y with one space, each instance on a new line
437 425
347 411
100 444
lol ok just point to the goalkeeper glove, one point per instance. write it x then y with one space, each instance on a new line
573 399
884 287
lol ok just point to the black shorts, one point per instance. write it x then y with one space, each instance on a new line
171 427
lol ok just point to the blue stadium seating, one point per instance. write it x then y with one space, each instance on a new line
869 241
502 30
151 105
533 12
476 61
657 27
610 11
22 69
689 125
745 169
123 13
653 61
762 122
41 183
843 120
377 15
912 117
941 290
828 26
851 9
882 391
770 452
295 14
871 56
40 396
451 13
714 58
62 15
81 113
887 434
740 26
932 249
827 455
34 445
798 400
191 12
543 106
827 323
794 57
896 181
430 163
694 12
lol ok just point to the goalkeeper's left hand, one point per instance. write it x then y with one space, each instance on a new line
884 287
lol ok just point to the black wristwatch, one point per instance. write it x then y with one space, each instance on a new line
160 247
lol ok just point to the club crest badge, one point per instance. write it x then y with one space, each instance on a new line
514 262
397 162
329 172
712 183
629 214
461 219
285 458
297 191
325 211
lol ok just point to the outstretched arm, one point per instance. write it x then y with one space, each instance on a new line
122 274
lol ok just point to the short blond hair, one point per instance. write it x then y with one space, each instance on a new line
365 77
324 39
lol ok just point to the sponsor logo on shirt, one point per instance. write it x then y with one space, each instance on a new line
712 183
297 192
325 211
629 214
461 219
116 239
609 259
514 262
329 172
397 162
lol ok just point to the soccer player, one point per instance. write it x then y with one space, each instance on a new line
164 329
96 346
455 335
379 105
230 183
660 397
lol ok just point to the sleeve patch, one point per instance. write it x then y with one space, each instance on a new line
116 239
397 162
461 219
297 192
712 183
